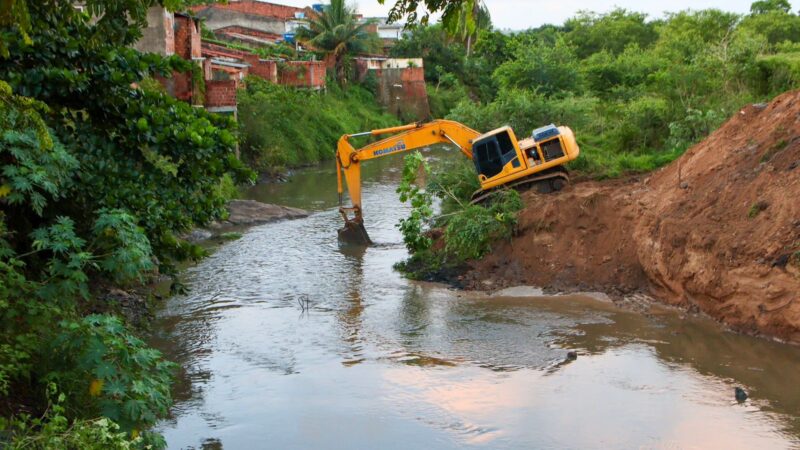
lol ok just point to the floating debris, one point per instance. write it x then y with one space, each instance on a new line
740 394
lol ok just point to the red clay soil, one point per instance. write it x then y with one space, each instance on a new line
717 231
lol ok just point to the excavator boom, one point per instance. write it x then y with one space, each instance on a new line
501 161
404 139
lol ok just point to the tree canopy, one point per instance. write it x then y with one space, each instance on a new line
337 32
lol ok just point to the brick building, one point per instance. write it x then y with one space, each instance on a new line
252 21
179 34
223 69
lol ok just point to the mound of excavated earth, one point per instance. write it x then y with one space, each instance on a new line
717 231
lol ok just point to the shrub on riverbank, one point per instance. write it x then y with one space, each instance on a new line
461 232
285 127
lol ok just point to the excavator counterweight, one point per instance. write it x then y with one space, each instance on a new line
500 160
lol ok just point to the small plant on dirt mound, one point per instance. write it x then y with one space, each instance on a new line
440 245
756 208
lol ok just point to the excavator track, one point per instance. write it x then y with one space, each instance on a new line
552 180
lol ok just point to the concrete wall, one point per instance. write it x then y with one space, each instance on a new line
403 92
401 63
389 32
307 74
398 77
159 35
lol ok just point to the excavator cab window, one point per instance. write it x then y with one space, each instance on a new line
491 154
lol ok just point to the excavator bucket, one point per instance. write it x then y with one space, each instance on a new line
354 233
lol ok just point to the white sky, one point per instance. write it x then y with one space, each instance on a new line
523 14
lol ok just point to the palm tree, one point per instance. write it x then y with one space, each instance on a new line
336 32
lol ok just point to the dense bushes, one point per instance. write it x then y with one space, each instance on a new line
637 92
283 127
98 178
468 231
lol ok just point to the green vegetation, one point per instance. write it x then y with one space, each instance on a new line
270 51
756 208
468 230
230 236
98 178
637 93
283 127
336 32
472 16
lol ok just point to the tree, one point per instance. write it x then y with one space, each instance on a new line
613 31
336 32
441 54
550 69
777 26
117 21
473 16
408 9
765 6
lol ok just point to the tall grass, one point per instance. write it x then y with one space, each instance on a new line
284 127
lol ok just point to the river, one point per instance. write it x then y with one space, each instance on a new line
376 361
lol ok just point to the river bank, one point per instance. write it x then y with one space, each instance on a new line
717 231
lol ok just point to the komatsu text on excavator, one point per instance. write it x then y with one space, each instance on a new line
500 160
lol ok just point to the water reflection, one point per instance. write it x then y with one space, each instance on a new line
380 362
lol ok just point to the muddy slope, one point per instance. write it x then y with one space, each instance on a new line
717 231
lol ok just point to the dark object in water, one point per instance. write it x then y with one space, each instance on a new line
354 233
740 394
572 355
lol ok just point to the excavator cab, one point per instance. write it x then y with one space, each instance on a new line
496 153
503 161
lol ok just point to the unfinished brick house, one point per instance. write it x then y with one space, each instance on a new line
254 22
179 34
263 68
401 82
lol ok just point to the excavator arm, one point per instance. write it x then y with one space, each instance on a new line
403 139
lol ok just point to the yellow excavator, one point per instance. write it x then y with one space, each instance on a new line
501 161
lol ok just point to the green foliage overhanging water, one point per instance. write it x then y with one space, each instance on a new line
98 179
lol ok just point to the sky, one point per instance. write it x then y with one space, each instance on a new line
523 14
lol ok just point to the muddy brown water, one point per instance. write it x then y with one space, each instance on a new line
379 362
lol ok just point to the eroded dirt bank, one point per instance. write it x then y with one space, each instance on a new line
717 231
